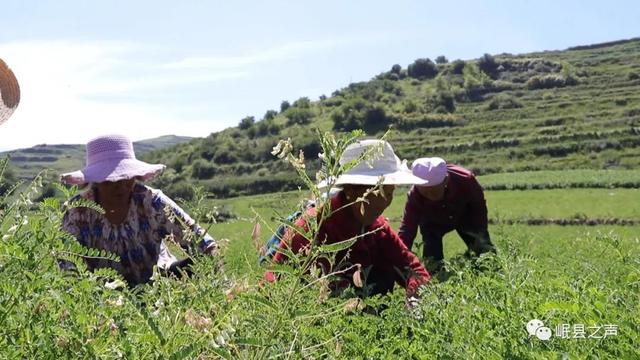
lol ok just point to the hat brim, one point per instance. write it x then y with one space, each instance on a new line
9 92
394 178
123 169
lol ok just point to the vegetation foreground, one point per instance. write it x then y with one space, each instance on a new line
563 276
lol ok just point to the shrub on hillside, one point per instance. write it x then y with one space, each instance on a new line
422 69
225 156
202 169
501 102
284 105
488 65
441 102
269 115
550 81
441 60
300 116
303 103
359 114
457 67
246 122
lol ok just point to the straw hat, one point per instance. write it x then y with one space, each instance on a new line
381 162
111 158
9 92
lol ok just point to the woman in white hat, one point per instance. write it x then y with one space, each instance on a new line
378 251
135 222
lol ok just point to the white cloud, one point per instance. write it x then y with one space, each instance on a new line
59 81
278 53
72 91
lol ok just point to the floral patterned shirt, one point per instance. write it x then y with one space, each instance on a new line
139 241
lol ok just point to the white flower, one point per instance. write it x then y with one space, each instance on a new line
220 340
115 284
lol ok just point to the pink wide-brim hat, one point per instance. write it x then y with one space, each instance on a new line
111 158
9 92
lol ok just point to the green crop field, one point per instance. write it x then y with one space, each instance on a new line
577 275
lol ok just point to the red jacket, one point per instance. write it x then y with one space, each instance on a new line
382 250
463 206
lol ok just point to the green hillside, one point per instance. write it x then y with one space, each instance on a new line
27 163
578 108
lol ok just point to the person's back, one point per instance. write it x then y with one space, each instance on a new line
453 200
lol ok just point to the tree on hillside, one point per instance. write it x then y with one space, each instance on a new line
270 114
422 69
360 114
441 60
247 122
488 65
457 67
284 105
296 115
303 103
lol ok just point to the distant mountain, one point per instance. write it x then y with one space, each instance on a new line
574 108
27 163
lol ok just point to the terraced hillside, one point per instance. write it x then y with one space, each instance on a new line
577 108
27 163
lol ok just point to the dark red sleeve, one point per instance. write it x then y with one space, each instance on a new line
410 219
293 240
477 204
401 258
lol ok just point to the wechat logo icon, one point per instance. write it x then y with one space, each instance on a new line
536 328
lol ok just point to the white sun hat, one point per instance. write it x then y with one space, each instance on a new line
9 92
433 169
379 161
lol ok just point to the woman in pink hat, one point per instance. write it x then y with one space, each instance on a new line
137 219
378 251
452 200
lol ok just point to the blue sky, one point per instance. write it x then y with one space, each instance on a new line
150 68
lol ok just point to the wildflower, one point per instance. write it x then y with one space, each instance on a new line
324 290
197 321
220 340
298 162
353 305
282 149
113 327
115 284
117 302
236 289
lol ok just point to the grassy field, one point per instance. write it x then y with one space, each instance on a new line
560 274
504 205
585 276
